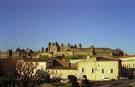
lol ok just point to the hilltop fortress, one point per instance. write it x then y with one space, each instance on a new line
55 49
70 50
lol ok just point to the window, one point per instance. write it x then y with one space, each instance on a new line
103 71
127 66
111 71
92 70
82 69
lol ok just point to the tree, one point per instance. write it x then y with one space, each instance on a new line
73 79
80 45
46 50
8 68
23 73
18 49
42 49
28 73
18 52
10 53
68 45
75 46
119 52
56 43
62 44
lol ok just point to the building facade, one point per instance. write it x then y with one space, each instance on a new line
128 66
96 69
99 70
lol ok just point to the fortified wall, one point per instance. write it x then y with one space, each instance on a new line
69 49
60 50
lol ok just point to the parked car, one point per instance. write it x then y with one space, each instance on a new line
106 79
64 81
123 78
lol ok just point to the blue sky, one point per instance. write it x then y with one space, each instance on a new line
34 23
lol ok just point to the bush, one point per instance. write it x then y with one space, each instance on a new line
72 78
43 57
67 85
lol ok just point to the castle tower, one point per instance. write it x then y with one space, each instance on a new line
68 45
56 44
92 51
75 46
9 53
49 46
61 47
42 49
80 45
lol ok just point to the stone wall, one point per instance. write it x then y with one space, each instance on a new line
69 49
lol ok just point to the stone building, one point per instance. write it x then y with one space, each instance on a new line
69 49
99 68
18 53
95 68
60 69
128 66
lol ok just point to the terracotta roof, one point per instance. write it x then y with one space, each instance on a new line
32 60
128 56
62 65
106 58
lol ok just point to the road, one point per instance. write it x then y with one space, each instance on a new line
119 83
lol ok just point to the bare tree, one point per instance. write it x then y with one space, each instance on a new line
28 73
10 53
23 73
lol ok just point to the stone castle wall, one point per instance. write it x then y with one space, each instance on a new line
67 50
75 50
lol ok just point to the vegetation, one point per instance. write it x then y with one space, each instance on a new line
43 57
67 85
10 53
73 80
20 73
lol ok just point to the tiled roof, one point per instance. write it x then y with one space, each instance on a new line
127 56
62 65
106 58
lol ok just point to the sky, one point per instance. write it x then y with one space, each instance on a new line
34 23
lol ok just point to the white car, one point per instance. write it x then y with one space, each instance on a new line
123 78
64 81
106 79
